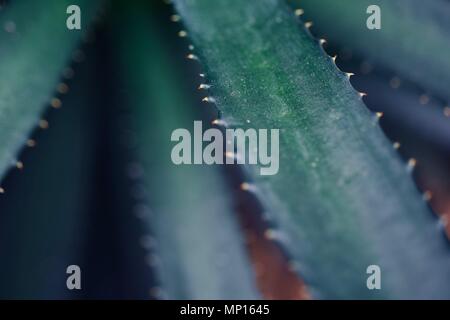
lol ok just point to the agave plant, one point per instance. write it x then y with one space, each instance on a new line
86 118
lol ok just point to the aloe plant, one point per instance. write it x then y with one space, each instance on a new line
342 200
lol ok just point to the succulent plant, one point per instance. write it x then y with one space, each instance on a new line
99 188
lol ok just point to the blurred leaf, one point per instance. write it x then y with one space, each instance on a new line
45 208
199 251
35 46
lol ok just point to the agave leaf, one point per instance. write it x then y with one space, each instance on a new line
45 209
412 41
200 251
342 199
35 46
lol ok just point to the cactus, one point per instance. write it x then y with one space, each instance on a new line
100 189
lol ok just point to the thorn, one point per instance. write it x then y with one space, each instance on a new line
349 74
63 88
427 195
270 234
379 115
31 143
443 220
202 75
447 111
55 103
2 190
396 145
175 18
43 124
299 12
230 155
362 94
192 56
182 34
334 58
245 186
322 41
219 122
209 99
411 164
204 86
308 24
442 223
19 165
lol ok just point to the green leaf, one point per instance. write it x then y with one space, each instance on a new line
200 252
342 199
45 209
413 39
35 47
